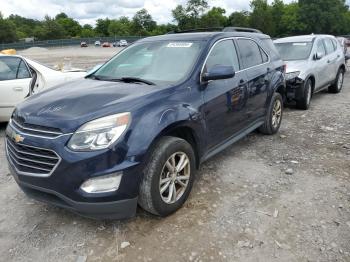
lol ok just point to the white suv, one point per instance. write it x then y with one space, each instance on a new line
313 63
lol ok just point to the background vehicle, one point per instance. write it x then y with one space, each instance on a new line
21 77
314 62
106 44
83 44
97 43
342 42
122 43
136 129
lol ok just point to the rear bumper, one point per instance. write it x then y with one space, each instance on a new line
121 209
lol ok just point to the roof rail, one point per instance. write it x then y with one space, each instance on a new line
217 29
193 30
241 29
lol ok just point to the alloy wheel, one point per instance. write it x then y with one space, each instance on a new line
175 177
340 81
276 114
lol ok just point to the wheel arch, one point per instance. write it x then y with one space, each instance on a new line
186 132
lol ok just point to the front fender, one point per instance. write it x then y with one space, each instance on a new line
158 121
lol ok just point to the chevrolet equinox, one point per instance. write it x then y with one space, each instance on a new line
136 130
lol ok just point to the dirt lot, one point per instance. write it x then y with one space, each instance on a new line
243 207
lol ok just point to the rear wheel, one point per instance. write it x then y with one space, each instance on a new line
167 177
305 100
338 84
274 116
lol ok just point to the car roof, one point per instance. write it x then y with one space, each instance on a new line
202 36
300 38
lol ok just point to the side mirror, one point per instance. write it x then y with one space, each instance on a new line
318 56
218 72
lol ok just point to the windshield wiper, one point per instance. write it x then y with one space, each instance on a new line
133 80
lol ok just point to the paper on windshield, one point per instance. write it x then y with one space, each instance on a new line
180 44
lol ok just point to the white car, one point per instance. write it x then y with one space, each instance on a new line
122 43
21 77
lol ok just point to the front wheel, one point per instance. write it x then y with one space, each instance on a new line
167 177
304 101
338 83
274 115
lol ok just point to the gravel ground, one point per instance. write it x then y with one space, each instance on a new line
267 198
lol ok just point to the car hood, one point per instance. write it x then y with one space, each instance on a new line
72 104
299 65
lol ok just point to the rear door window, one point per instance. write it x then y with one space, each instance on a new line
250 53
329 45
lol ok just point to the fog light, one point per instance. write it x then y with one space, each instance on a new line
102 184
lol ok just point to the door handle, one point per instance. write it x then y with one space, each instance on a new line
18 88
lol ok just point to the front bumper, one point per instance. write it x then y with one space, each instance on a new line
295 89
62 186
121 209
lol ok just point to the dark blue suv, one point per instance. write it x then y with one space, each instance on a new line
136 130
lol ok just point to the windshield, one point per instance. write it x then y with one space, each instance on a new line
294 51
162 62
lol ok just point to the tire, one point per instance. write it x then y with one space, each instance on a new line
338 83
304 102
150 197
272 124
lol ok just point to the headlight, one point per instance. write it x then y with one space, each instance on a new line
292 75
100 133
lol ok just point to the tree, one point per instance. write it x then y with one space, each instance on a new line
290 23
87 31
7 30
120 27
180 15
51 29
102 25
239 19
261 16
71 27
214 18
143 22
195 8
189 16
277 11
323 16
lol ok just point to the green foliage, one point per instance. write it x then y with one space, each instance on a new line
241 19
276 18
102 26
143 23
71 27
7 30
214 18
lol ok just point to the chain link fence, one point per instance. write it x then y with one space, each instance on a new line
67 42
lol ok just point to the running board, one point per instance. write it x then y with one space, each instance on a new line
233 139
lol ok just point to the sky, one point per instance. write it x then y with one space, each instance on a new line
88 11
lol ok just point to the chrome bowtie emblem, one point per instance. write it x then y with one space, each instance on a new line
17 138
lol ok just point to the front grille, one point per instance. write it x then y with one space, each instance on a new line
29 160
36 130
